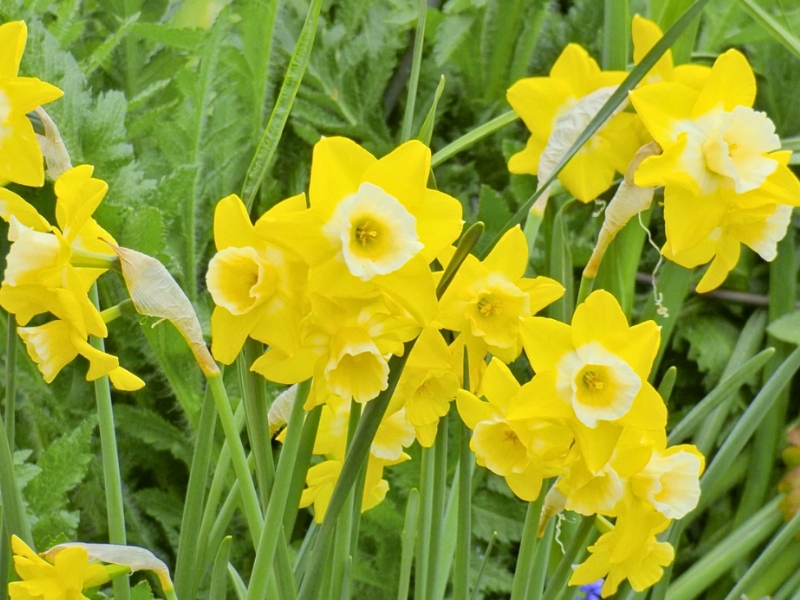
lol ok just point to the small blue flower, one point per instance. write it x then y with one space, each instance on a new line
591 591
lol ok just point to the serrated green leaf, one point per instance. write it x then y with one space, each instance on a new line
153 430
711 340
141 591
182 38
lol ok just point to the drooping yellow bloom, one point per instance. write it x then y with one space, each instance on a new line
345 346
594 375
487 301
54 345
20 156
373 224
40 277
726 182
631 551
259 289
64 579
542 101
427 385
523 451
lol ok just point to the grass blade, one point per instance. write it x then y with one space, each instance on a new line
262 160
775 29
413 82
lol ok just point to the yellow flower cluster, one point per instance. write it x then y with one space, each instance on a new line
725 180
50 269
590 418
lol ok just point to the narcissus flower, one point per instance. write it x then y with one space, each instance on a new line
726 181
259 289
373 224
427 385
64 578
54 345
594 374
20 156
544 103
487 301
631 551
523 451
344 346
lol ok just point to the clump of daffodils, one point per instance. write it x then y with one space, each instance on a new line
590 418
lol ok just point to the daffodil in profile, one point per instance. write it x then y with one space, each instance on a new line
65 578
258 288
54 345
20 157
630 551
373 223
545 105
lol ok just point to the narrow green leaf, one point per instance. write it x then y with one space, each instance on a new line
766 556
749 421
407 547
465 245
466 140
262 160
413 81
616 28
238 584
219 581
561 267
486 555
775 29
724 390
667 383
726 553
426 131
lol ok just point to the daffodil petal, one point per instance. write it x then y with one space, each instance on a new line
731 83
337 168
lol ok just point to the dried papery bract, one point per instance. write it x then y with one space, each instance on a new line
133 557
52 145
156 294
628 201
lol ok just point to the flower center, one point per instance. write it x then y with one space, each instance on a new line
488 306
593 381
376 233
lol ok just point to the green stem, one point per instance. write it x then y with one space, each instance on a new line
187 578
11 380
587 283
301 464
464 532
252 510
13 509
256 412
108 447
438 505
561 575
466 140
271 533
527 549
425 518
413 82
354 462
408 535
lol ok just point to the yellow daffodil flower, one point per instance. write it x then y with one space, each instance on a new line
322 478
487 301
64 579
726 182
630 551
670 482
53 345
542 101
428 384
20 156
523 451
259 289
373 221
594 375
345 347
